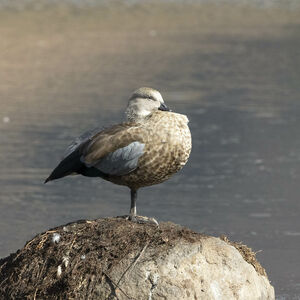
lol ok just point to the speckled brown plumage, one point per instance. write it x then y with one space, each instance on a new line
167 140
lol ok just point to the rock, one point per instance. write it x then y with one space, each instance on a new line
117 259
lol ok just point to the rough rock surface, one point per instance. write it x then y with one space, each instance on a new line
117 259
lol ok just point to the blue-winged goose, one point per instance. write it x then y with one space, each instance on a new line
152 145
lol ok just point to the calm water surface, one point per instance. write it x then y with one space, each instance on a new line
241 94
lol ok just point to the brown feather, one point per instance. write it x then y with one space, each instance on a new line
109 140
167 142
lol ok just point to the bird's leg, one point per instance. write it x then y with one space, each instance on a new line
132 214
133 194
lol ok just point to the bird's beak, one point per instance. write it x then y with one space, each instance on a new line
164 107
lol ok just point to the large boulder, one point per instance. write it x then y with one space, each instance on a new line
118 259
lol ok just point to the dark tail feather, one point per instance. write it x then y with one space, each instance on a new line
48 179
66 167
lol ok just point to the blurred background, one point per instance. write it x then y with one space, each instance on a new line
233 67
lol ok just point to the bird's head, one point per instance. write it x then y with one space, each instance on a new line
143 102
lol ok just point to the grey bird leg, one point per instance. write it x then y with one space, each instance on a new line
132 212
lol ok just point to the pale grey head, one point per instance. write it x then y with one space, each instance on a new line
143 102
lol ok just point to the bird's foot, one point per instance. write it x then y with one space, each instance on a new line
140 219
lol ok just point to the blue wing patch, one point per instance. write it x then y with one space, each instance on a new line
122 161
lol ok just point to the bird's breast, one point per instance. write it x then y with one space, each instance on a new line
167 141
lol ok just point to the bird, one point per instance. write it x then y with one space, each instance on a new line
148 148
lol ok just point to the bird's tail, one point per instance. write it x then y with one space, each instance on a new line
69 165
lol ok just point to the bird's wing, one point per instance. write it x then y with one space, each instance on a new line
115 151
79 141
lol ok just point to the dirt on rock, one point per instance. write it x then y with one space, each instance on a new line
66 262
248 254
62 261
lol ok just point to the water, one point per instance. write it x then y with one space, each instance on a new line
237 81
